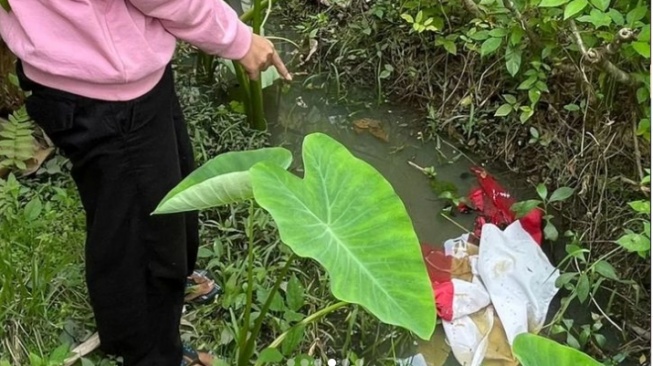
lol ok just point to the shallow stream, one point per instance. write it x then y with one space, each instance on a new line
297 116
387 138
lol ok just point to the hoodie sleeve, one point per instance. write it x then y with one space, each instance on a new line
211 25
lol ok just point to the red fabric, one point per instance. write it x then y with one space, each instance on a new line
496 201
444 299
493 203
438 266
532 223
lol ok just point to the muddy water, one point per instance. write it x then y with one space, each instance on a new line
300 113
297 116
397 150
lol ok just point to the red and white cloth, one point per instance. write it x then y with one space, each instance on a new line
496 276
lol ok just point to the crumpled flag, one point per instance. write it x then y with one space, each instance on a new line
493 203
491 285
438 266
488 294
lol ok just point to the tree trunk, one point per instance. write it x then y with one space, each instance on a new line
11 97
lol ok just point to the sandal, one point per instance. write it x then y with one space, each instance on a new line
200 289
190 357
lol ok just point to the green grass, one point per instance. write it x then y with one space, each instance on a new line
43 300
41 248
564 138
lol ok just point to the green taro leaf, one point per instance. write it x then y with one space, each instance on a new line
534 350
222 180
347 217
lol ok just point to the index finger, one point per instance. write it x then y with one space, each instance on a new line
279 65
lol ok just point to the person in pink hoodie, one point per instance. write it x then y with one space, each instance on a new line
101 83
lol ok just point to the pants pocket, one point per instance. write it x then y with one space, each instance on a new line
53 114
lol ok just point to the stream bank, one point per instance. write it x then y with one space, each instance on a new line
574 139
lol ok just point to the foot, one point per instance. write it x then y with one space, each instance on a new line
205 358
191 357
200 289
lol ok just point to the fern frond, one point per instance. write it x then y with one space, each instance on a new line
16 139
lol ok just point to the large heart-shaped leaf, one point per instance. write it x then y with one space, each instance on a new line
345 215
222 180
534 350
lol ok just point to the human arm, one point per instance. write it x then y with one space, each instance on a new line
215 28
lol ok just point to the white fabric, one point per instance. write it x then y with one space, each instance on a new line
456 247
518 276
468 297
512 277
417 360
468 342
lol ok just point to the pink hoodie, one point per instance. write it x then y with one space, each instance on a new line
115 49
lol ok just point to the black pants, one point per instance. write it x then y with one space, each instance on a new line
126 156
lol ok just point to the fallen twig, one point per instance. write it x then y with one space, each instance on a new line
423 170
83 349
638 154
644 189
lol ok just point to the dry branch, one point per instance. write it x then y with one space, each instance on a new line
471 7
598 56
83 349
510 5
